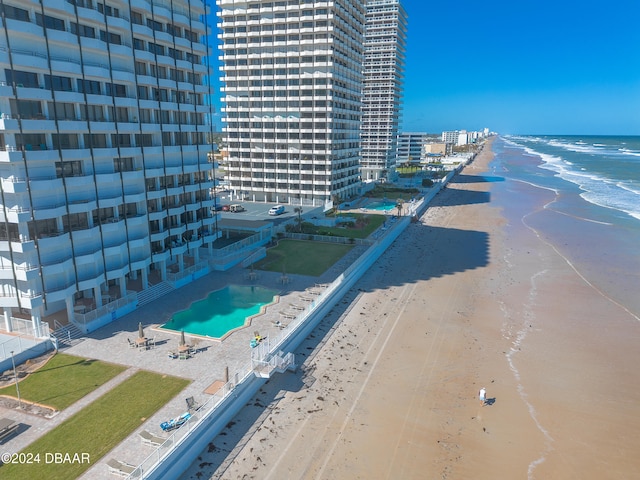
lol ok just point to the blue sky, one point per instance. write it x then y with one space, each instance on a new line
522 67
518 66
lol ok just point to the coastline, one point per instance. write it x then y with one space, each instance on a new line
465 298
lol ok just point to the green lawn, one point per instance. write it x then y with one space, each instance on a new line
97 428
369 224
64 380
302 257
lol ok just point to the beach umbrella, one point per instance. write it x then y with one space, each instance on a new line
183 342
140 330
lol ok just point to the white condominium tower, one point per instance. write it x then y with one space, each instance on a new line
104 175
386 32
292 76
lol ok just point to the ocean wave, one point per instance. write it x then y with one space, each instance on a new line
621 195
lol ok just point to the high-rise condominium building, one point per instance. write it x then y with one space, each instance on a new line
292 76
104 175
386 32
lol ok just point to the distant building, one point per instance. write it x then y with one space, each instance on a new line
450 137
410 147
385 41
436 149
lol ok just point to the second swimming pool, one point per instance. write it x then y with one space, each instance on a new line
383 205
221 311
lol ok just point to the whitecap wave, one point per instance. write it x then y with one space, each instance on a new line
621 195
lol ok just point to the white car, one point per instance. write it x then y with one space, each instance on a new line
277 210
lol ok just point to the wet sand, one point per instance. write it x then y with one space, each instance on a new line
387 386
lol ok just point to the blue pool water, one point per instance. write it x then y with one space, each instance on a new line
383 206
222 311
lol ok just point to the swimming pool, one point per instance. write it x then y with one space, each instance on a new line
383 205
222 311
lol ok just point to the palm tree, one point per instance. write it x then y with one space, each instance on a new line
298 210
336 203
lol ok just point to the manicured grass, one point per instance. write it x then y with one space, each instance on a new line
63 380
367 224
302 257
97 428
392 192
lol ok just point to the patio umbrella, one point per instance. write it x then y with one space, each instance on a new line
140 330
183 342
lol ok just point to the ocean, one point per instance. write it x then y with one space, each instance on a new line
581 194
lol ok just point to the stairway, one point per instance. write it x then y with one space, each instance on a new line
278 363
68 336
153 293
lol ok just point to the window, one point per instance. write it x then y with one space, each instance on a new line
155 48
69 169
110 11
143 93
141 68
138 44
122 114
16 13
136 18
120 140
93 113
124 164
116 90
83 30
22 79
50 22
110 37
95 140
57 83
64 141
144 140
27 109
89 87
62 111
153 25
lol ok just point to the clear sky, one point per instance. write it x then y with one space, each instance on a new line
523 67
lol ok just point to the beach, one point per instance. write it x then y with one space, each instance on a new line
470 296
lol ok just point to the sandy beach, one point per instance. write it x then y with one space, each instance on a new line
466 298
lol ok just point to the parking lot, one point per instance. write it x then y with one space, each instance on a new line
260 211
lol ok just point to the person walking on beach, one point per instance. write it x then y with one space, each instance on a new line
482 395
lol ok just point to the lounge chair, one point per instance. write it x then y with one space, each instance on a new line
288 315
296 307
120 468
131 344
7 428
149 438
175 422
191 404
279 324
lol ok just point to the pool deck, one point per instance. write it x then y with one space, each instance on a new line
204 369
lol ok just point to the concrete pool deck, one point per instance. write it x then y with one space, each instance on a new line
204 369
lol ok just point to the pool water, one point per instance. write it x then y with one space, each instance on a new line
384 205
222 311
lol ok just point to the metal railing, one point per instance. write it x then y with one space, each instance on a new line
84 319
